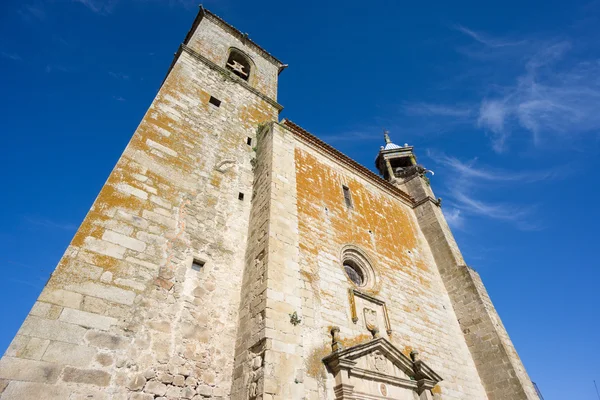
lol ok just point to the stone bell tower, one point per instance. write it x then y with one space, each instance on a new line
145 302
498 364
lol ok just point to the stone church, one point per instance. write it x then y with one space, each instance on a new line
231 255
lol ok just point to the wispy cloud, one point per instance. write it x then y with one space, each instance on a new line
57 68
118 75
352 135
487 40
11 56
454 217
119 98
544 89
492 115
467 184
49 224
32 12
472 171
428 109
101 7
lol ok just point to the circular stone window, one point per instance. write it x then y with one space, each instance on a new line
354 273
357 267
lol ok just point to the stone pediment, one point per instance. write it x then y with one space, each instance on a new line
377 369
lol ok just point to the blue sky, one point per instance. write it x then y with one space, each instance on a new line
501 99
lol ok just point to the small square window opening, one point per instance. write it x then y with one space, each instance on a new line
240 196
347 196
249 141
214 101
198 265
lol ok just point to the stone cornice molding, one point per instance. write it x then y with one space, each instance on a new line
336 155
425 200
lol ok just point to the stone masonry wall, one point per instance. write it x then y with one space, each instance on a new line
124 316
269 353
386 229
502 372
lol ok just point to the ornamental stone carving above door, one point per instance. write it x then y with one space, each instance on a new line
378 370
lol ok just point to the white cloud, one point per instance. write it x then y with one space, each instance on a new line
468 181
454 217
486 40
532 86
437 110
492 115
102 7
47 223
11 56
118 75
471 171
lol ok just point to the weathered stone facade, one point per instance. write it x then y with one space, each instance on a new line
226 249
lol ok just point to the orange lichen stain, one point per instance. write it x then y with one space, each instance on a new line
100 260
253 115
436 389
353 341
215 179
314 364
407 350
376 222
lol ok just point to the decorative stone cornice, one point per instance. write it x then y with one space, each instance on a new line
424 200
343 159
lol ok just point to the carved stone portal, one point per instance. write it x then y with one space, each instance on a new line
377 369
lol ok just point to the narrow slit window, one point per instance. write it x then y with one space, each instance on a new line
249 141
214 101
347 196
198 265
240 196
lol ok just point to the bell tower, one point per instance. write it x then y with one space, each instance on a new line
398 165
500 369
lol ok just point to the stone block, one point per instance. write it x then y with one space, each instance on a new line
104 247
132 191
69 354
105 292
45 310
173 392
61 297
87 319
34 349
155 388
28 370
165 377
107 341
179 380
123 240
130 284
88 376
36 391
141 396
53 330
204 390
136 383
